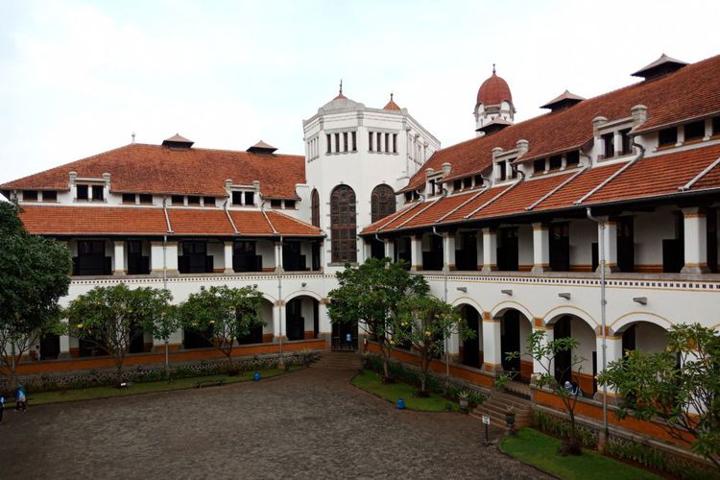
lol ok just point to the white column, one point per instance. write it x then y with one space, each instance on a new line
489 250
708 129
278 257
541 248
454 347
171 257
492 351
613 353
278 320
416 253
617 143
695 227
324 320
448 251
544 367
64 344
389 249
365 250
119 257
610 242
228 257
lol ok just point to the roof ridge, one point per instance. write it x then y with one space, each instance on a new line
267 219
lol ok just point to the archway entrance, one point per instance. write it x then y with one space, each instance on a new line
344 337
514 331
302 318
471 349
580 365
644 336
261 332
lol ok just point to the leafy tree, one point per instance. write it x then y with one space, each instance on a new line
165 323
222 314
34 274
112 317
544 353
369 295
680 385
425 323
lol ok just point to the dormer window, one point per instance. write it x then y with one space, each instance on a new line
49 196
275 203
625 146
555 162
98 192
572 158
457 185
128 198
249 198
193 200
609 145
716 126
667 137
539 166
467 182
177 200
82 192
30 195
289 204
502 171
694 131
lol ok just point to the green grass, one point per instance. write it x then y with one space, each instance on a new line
139 388
371 382
540 450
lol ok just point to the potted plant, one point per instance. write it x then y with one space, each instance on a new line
510 420
464 400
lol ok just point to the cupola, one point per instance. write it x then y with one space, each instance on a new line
177 141
391 105
262 148
658 68
563 101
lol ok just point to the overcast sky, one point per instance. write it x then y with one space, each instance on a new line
78 77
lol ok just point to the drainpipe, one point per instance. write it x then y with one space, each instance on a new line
603 306
445 298
165 340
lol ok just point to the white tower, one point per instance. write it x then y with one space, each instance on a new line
356 157
494 104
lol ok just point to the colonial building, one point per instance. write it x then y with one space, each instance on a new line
514 226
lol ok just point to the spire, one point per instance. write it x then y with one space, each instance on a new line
340 92
391 105
493 69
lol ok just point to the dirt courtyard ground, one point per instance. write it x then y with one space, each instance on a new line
309 424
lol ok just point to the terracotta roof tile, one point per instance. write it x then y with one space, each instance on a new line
433 213
381 224
199 221
62 220
522 196
288 225
155 169
568 194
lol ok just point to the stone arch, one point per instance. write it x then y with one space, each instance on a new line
458 302
621 323
302 316
302 292
578 365
471 349
498 310
382 202
343 224
516 323
554 314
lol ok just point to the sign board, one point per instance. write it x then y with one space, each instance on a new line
486 420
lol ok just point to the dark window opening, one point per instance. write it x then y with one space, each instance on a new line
394 143
177 200
315 208
674 248
625 142
343 228
209 201
128 198
91 259
466 251
137 263
354 141
370 141
609 143
478 180
507 249
433 258
98 192
563 359
244 257
329 143
572 158
667 137
625 244
249 198
237 198
274 203
467 182
555 162
502 171
193 200
293 259
457 185
408 196
387 142
471 355
695 131
560 247
378 140
345 142
194 258
539 166
377 248
382 202
712 240
82 192
146 198
402 251
30 195
290 204
49 196
716 126
337 143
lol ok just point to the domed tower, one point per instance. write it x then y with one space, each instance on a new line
494 103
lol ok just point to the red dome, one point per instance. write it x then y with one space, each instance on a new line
494 91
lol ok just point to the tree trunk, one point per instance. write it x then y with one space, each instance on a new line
167 360
385 349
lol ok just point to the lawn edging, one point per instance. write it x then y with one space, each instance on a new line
370 382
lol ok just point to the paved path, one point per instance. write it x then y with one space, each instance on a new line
309 424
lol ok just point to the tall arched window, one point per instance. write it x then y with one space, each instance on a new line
343 224
315 207
382 202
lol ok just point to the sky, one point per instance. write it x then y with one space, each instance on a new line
79 77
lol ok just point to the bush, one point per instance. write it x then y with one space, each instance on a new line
560 428
650 457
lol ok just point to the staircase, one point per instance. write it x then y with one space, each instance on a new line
339 361
496 407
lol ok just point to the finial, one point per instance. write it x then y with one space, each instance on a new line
341 86
391 96
132 136
493 69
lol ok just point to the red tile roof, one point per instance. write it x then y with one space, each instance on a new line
156 169
104 220
687 93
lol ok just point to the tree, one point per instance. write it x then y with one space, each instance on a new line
680 385
112 317
34 274
165 323
369 295
544 353
425 322
222 314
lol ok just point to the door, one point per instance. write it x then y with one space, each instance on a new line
560 247
507 250
49 347
563 360
91 258
471 346
510 340
294 321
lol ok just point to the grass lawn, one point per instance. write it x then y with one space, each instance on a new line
371 382
540 450
139 388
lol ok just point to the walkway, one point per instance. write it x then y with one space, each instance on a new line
309 424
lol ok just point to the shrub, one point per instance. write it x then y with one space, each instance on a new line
560 428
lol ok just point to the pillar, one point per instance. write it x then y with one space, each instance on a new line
695 226
365 250
541 248
609 240
454 347
613 353
489 250
479 249
416 263
325 326
119 257
163 256
64 344
389 248
492 351
278 320
448 251
228 256
278 257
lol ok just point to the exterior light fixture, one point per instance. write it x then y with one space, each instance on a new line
640 300
462 289
506 292
565 295
303 284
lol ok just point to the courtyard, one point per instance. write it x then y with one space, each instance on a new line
308 424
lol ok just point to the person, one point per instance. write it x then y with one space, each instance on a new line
2 406
21 399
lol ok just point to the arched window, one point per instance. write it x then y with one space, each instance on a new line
343 224
382 202
315 207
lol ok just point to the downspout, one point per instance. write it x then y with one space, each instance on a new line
445 298
167 220
603 307
278 271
